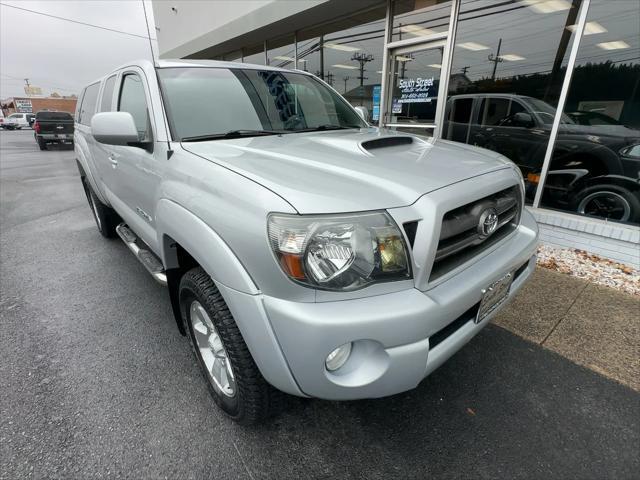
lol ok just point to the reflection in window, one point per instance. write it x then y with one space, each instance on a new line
348 56
595 165
254 55
281 52
509 61
420 18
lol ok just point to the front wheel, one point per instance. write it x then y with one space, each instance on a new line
608 201
233 378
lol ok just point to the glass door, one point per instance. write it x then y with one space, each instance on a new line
414 79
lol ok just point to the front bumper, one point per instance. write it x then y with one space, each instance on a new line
391 332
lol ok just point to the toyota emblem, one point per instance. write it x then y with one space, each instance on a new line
488 222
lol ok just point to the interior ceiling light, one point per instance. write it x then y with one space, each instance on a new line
344 48
473 46
617 45
590 28
511 57
548 6
416 30
283 57
434 65
402 58
347 67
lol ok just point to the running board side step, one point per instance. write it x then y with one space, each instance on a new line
146 257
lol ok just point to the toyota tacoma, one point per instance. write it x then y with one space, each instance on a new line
304 251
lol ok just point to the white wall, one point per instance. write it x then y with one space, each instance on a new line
611 240
196 25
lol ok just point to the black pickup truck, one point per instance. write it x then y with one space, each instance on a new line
53 127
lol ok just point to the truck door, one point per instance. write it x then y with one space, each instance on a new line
137 177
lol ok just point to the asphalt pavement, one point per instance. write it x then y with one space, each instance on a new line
95 380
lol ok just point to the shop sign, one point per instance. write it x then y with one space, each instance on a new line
416 90
23 105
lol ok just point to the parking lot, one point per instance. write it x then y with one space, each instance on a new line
96 381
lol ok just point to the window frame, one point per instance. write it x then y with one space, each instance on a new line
84 95
103 89
148 144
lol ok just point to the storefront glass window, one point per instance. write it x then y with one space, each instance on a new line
509 62
595 165
235 56
348 59
281 52
419 18
254 55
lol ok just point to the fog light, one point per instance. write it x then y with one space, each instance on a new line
338 357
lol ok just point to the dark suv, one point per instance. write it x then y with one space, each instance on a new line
595 169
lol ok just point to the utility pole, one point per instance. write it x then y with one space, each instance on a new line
330 78
363 59
464 70
321 46
345 80
495 59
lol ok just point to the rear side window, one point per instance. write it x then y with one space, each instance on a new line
133 100
107 94
89 101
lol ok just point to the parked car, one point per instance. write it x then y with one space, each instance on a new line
1 119
304 251
15 121
53 127
589 171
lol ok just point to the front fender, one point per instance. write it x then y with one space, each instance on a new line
175 223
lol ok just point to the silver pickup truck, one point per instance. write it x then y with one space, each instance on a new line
304 251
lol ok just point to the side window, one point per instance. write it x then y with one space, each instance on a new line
76 116
510 121
133 100
462 110
89 101
496 110
107 94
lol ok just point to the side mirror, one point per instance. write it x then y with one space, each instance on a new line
114 128
363 112
523 119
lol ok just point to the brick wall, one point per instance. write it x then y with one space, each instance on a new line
47 103
614 241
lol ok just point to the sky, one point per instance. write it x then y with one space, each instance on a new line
61 56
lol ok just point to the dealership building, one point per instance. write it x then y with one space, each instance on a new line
554 85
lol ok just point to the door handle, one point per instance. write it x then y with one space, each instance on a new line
113 160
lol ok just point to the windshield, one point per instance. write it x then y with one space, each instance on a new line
546 112
205 102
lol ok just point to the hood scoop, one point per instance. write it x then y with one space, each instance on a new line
385 142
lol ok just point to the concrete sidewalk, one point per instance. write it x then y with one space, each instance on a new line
594 326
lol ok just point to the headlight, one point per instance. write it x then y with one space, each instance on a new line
343 252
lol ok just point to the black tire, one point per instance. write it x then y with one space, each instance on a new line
41 143
106 218
608 201
254 399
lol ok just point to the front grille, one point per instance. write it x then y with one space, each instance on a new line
460 238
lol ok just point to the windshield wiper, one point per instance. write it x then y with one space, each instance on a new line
320 128
231 134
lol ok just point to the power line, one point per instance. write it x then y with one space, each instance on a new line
75 21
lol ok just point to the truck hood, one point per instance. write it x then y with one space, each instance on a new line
349 170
